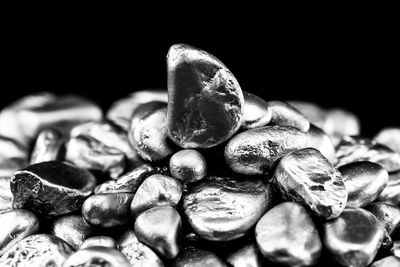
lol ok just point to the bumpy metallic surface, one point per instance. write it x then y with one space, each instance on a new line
142 111
318 139
389 137
37 250
138 254
283 114
107 210
354 238
89 153
222 208
193 257
386 247
23 119
121 110
306 176
156 190
390 261
160 229
6 197
247 256
352 149
149 137
188 165
314 113
256 151
99 241
129 182
205 100
391 193
15 226
73 229
51 188
97 256
364 181
339 123
256 112
287 235
47 147
388 215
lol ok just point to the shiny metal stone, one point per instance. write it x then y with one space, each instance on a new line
247 256
89 153
107 210
129 182
73 229
99 241
283 114
391 193
193 257
389 137
256 151
6 197
396 248
149 137
138 254
121 110
156 190
339 123
222 208
37 250
205 100
388 215
15 226
97 256
353 149
256 112
354 238
313 113
319 140
188 165
48 146
143 110
390 261
364 182
287 235
13 156
307 177
51 188
160 229
25 118
9 165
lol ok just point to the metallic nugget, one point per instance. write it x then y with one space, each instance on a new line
193 257
283 114
51 188
188 165
256 112
390 261
389 137
307 177
388 215
205 100
319 140
247 256
97 256
48 146
99 241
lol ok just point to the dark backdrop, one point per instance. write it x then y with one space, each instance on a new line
353 66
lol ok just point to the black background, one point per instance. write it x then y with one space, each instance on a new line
336 63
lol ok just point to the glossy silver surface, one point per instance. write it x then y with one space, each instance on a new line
354 238
160 229
193 257
247 256
283 114
138 254
287 235
121 110
390 261
389 137
339 123
256 151
97 256
6 197
15 226
13 156
313 112
391 193
388 215
319 140
307 177
99 241
156 190
188 165
354 148
73 229
364 182
37 250
222 208
207 93
47 147
256 112
149 137
107 210
51 188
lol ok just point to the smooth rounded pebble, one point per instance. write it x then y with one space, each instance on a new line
256 112
388 215
319 140
389 137
193 257
48 146
188 165
283 114
97 256
99 241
